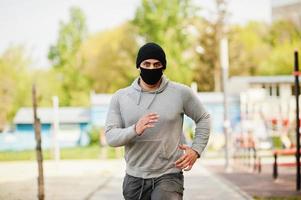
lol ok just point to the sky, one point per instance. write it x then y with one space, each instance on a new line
34 24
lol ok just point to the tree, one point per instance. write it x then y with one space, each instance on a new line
208 71
110 58
254 49
48 84
283 37
168 23
262 49
14 83
67 61
248 48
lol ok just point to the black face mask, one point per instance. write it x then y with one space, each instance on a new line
151 76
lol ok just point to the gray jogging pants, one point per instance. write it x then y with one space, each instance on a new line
167 187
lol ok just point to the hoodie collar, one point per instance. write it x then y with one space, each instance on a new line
161 88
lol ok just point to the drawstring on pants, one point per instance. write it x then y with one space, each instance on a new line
142 187
153 184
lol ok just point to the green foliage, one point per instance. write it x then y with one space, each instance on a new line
259 49
248 48
71 36
283 37
191 133
67 61
276 141
110 58
168 23
45 91
207 73
94 135
15 83
210 31
254 49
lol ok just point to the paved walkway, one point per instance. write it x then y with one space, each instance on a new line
100 179
261 184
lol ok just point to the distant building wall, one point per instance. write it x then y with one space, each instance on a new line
29 128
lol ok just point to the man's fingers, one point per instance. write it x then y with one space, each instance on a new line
182 147
187 160
188 168
152 115
146 120
181 159
152 121
149 126
152 118
186 165
183 164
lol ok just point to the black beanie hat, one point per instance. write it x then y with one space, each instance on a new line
151 51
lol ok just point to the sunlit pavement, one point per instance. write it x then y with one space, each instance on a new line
99 179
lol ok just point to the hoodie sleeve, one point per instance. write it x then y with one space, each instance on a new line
194 109
115 133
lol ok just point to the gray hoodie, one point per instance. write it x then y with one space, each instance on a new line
153 153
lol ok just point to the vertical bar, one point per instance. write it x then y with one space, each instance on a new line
297 92
37 128
259 164
275 167
224 61
55 142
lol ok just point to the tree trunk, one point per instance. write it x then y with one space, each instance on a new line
37 128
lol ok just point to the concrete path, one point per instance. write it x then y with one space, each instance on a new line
100 179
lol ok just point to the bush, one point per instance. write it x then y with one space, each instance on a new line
94 135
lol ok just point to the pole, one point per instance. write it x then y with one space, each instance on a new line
56 148
224 60
297 92
37 128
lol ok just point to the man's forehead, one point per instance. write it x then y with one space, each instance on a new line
151 60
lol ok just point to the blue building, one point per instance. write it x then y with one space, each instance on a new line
73 126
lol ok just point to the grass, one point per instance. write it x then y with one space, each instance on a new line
89 152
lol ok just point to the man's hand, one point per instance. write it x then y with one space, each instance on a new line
188 159
145 122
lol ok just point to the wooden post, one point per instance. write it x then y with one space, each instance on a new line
297 92
37 130
259 164
275 167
